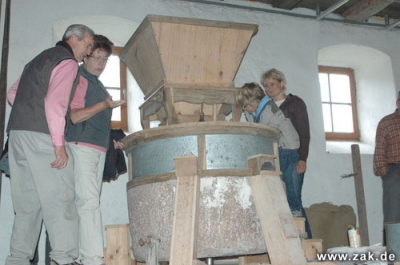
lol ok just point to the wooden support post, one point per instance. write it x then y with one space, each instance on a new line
169 106
214 112
280 234
184 229
359 186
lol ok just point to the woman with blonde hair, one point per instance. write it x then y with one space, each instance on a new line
259 108
294 108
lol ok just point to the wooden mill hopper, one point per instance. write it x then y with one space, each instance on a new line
186 66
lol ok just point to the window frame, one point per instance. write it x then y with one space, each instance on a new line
123 123
355 135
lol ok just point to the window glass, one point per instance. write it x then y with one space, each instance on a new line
340 88
342 118
338 103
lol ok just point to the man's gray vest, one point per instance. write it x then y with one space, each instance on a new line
28 111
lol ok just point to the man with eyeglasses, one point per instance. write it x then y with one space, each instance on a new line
42 185
88 137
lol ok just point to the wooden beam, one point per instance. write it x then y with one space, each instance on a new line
286 4
184 228
360 197
280 234
365 9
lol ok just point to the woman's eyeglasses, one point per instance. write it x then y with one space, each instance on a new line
99 59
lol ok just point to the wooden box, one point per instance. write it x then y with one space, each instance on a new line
312 247
180 62
118 247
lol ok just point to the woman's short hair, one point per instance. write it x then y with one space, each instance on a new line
248 93
274 74
103 43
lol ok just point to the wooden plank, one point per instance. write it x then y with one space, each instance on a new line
280 234
254 260
245 172
207 95
142 58
118 245
184 230
360 197
191 53
364 9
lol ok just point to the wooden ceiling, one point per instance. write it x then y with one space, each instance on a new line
375 13
354 10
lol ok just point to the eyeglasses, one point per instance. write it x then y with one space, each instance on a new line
88 45
99 59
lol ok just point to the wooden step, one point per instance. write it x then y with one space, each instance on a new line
312 247
299 222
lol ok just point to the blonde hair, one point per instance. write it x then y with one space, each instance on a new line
274 74
248 93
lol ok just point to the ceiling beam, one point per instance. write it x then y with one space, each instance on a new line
365 9
331 9
285 4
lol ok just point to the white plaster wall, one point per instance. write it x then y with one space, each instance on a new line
287 43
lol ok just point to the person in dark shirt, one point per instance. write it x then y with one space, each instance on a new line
294 108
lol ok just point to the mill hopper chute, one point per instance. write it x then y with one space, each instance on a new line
185 66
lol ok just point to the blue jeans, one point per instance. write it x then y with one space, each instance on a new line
294 182
298 179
